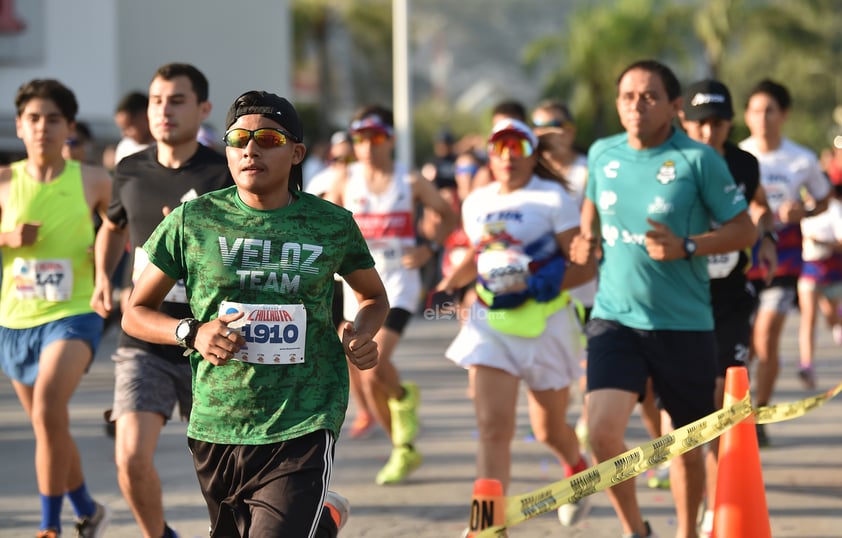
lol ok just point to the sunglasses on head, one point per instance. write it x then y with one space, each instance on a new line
515 147
559 124
265 137
373 136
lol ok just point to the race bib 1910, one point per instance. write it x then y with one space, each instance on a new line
274 334
50 280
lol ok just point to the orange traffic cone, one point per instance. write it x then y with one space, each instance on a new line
740 505
488 505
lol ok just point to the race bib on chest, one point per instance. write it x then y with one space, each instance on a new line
178 293
274 334
776 194
387 253
50 280
722 265
502 270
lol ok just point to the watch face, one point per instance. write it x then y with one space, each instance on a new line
183 330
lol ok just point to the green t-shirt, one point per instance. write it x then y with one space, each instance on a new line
225 250
681 183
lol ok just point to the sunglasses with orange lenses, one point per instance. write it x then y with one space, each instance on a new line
515 147
266 137
371 135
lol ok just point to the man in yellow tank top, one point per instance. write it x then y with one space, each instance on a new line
48 331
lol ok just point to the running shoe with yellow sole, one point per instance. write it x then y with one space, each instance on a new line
403 461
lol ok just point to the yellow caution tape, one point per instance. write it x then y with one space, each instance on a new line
636 461
789 411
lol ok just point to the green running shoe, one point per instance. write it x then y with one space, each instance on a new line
404 414
403 461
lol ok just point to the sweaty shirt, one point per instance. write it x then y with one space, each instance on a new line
142 187
681 183
227 251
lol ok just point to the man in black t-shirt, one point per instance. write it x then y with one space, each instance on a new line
151 378
706 116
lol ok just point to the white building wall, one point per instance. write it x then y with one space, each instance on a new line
104 48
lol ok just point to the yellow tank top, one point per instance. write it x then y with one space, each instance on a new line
53 278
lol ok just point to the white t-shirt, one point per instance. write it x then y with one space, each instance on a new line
786 170
826 226
522 222
125 147
321 182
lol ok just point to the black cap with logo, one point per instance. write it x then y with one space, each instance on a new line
707 99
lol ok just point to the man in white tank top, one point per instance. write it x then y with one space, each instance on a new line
383 195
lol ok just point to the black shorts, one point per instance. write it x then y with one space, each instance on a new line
397 320
267 490
733 335
682 366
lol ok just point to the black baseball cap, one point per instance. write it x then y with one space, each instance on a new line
708 99
268 105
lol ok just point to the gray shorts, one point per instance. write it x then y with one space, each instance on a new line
146 382
777 298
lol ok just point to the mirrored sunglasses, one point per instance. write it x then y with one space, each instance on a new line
515 147
371 135
265 137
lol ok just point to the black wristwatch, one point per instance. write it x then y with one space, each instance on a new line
771 235
185 332
689 248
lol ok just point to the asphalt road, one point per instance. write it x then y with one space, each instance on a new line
802 470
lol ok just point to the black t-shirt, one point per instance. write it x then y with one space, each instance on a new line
746 171
141 189
445 171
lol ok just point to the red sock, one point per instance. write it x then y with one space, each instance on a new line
580 466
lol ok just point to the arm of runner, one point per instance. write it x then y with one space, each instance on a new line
663 245
358 337
584 247
764 220
575 274
462 274
426 193
108 248
142 319
435 227
337 187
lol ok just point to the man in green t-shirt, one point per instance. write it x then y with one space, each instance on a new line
652 193
270 382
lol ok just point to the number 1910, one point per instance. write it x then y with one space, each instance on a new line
274 334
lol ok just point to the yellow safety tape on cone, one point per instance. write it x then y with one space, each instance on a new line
789 411
631 463
638 460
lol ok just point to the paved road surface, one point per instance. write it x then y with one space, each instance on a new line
802 471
